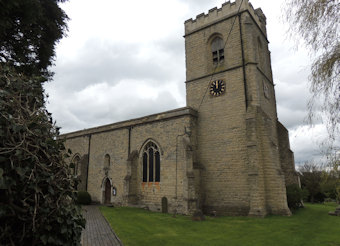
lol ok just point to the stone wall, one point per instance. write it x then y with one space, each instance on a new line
173 132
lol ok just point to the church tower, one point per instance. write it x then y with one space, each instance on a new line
229 82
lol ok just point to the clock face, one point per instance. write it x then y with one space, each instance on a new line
217 87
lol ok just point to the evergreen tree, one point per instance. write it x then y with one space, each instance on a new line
29 30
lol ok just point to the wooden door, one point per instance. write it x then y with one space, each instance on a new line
107 191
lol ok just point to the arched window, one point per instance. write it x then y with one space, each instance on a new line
106 164
151 163
217 49
76 165
107 161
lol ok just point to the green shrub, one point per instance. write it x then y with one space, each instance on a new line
295 196
83 198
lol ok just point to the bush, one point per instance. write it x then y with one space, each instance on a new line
83 198
329 184
319 197
295 196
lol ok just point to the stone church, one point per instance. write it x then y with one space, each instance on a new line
224 153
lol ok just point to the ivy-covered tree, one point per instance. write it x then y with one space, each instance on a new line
37 195
29 30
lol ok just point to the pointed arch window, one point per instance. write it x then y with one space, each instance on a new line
106 164
151 163
107 161
76 165
217 49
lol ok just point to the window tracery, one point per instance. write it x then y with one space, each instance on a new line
151 163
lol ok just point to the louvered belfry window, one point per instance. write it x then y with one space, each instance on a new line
217 49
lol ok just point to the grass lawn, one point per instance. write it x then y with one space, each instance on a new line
309 226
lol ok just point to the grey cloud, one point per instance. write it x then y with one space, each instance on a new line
291 96
291 103
291 118
107 62
306 154
87 114
173 46
201 6
307 143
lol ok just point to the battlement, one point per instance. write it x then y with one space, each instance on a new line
228 9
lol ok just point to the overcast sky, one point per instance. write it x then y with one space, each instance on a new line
125 59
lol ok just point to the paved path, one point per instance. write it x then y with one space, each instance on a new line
98 231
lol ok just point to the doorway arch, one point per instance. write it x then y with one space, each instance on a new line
106 190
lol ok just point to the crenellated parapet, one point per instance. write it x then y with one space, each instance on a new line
227 10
